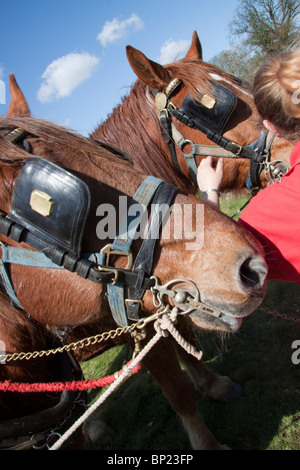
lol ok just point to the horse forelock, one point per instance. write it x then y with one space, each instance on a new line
196 75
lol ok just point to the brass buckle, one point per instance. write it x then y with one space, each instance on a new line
239 151
110 270
107 250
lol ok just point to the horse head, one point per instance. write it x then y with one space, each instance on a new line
207 245
203 263
194 109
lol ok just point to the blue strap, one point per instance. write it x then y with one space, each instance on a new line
129 224
26 257
123 241
37 259
8 285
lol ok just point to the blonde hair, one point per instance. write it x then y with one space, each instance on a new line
276 91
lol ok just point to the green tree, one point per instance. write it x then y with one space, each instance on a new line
265 28
239 61
268 26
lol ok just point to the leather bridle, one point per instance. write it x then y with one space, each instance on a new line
190 114
137 278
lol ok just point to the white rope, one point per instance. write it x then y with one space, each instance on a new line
103 397
167 323
162 326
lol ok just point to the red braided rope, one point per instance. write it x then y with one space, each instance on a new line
8 386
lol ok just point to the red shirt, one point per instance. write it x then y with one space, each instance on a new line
273 217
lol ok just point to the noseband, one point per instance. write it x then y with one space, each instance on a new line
209 115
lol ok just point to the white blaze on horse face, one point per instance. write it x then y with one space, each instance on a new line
222 79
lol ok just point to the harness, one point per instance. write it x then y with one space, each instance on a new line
209 115
49 209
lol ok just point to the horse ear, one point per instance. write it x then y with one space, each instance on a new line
151 73
18 105
195 50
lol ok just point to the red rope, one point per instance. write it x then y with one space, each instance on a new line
8 386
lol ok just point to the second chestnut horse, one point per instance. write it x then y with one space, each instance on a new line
227 267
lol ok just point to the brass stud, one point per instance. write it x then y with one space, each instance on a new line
41 203
160 101
208 101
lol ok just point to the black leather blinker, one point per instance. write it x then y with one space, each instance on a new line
51 203
212 116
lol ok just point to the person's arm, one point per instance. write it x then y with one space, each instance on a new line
209 180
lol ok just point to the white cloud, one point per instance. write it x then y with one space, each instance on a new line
65 74
114 30
173 50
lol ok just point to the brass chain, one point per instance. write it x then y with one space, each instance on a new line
96 339
283 316
90 341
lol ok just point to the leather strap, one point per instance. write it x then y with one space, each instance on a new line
258 146
123 242
167 134
57 257
143 263
66 411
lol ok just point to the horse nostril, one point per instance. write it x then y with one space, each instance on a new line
253 273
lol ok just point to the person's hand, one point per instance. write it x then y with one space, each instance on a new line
208 177
209 180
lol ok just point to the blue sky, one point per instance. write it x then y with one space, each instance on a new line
69 56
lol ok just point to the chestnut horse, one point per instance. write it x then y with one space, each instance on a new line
177 114
227 269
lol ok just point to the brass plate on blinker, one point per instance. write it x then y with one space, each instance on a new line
208 101
41 203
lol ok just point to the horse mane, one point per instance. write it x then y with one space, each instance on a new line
66 139
131 120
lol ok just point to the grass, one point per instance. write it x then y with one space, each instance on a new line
266 417
232 204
